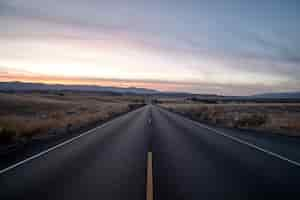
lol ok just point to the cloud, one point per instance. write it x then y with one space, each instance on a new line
205 43
277 49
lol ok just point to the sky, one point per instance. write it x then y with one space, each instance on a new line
230 47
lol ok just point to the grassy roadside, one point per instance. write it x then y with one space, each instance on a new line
276 118
24 117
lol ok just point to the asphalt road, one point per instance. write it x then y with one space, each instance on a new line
190 161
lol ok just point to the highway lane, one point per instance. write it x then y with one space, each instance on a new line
192 162
108 163
189 162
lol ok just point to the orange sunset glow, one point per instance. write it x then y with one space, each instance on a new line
193 54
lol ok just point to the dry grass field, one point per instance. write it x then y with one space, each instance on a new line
24 116
281 118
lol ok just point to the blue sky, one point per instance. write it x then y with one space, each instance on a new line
225 47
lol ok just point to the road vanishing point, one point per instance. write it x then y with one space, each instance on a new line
151 153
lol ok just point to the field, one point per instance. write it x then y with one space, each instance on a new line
280 118
24 116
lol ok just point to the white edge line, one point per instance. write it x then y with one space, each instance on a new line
246 143
50 149
2 171
251 145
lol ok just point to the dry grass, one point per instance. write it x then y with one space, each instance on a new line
32 115
274 117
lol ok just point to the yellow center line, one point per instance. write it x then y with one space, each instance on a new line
149 186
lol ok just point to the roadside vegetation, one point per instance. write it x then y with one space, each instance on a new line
26 116
282 118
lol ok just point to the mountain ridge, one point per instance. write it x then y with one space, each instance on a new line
28 86
278 95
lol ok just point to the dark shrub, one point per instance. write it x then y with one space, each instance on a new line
7 135
254 120
135 106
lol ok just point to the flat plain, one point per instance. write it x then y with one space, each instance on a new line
24 116
278 118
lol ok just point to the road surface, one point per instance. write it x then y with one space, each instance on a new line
190 161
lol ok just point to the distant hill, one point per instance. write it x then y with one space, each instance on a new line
281 95
22 86
27 87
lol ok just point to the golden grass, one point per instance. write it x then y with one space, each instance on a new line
28 115
274 117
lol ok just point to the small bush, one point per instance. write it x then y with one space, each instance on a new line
135 106
7 135
252 120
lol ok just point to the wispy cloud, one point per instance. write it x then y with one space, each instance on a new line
196 45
